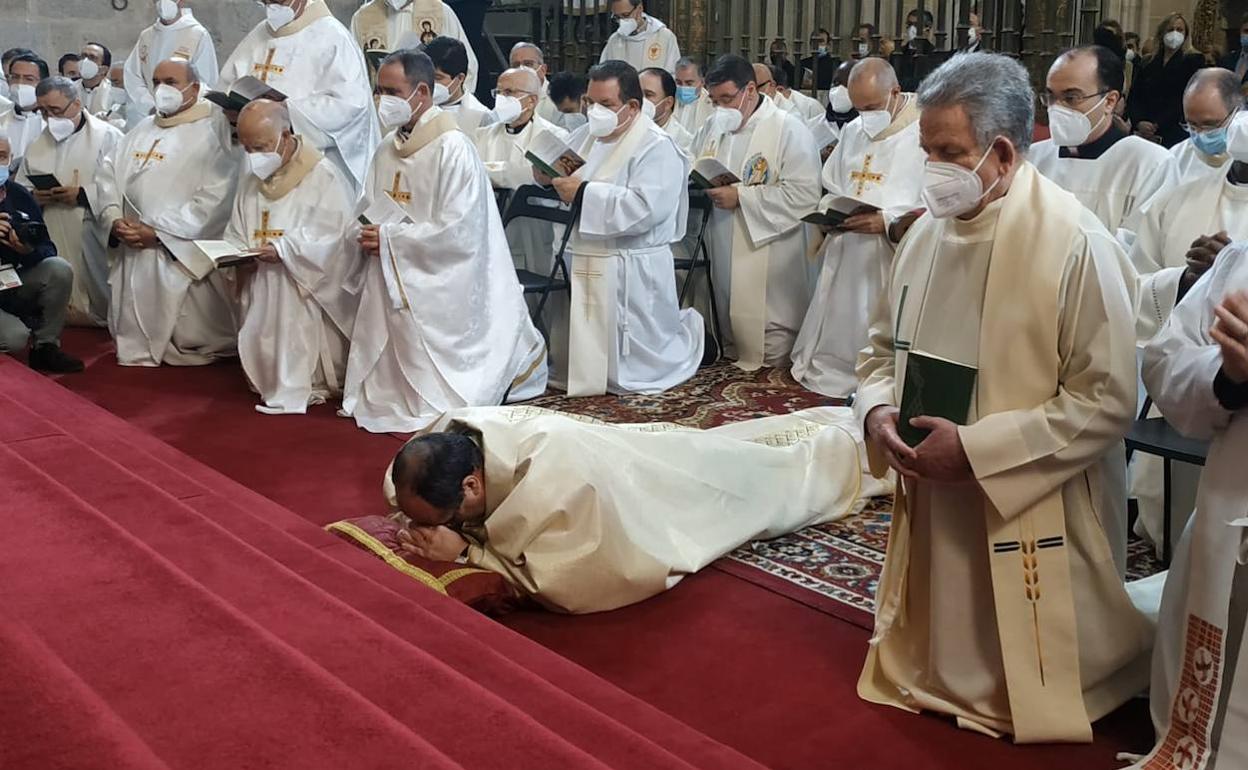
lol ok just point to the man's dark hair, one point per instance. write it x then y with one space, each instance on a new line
868 26
666 81
780 75
1108 66
823 31
928 18
66 59
108 55
434 466
730 68
448 55
622 73
12 54
34 59
1106 35
417 67
567 85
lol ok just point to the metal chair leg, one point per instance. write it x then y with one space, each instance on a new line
1165 512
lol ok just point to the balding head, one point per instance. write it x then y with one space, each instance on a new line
523 84
439 479
873 86
262 124
766 83
1211 96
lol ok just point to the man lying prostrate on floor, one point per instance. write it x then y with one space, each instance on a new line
586 517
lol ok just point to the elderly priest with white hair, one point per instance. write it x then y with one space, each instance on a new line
999 380
442 322
168 183
302 51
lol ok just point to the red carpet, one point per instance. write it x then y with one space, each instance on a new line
748 667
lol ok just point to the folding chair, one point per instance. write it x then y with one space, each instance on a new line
1154 436
501 196
700 259
527 203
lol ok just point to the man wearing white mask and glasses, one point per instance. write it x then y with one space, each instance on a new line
450 73
72 149
879 162
21 122
1210 101
97 89
175 35
298 303
386 25
757 241
1001 603
301 50
627 334
1110 172
640 39
442 322
168 183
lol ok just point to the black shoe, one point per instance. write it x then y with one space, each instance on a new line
51 359
710 351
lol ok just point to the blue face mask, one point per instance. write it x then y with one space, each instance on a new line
4 175
1243 41
1210 142
686 94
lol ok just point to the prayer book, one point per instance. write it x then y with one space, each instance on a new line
206 256
9 278
384 211
552 156
709 173
934 387
246 89
44 181
840 209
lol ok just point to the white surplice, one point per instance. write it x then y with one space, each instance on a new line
469 113
78 236
626 332
694 116
886 172
759 250
378 27
176 176
99 100
22 129
1187 164
655 46
1199 712
316 63
442 322
803 106
297 315
186 39
681 135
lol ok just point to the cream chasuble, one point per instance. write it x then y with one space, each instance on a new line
1200 715
442 322
654 46
887 172
80 239
176 176
378 27
186 39
567 523
759 250
297 314
626 330
316 63
1000 603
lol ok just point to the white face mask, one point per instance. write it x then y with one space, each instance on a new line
507 108
603 120
441 94
727 120
838 97
628 27
61 128
972 35
1237 137
950 190
875 122
167 11
1130 54
912 32
4 88
397 4
647 108
278 16
1071 128
24 95
1173 39
168 99
571 120
863 49
264 164
88 69
118 97
394 112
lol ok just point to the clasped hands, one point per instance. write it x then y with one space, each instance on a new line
433 543
136 235
66 196
939 458
1230 331
1201 255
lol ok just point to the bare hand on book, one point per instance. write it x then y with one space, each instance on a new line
567 187
727 198
941 457
881 427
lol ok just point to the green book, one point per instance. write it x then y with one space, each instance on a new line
934 387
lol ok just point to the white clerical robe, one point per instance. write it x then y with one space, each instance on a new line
470 114
695 116
22 129
682 136
654 46
1187 164
759 250
99 100
315 62
378 27
626 331
886 172
79 237
298 314
442 322
1200 715
186 39
568 523
175 175
806 108
1114 186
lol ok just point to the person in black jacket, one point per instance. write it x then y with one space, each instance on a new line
1236 60
36 307
1155 105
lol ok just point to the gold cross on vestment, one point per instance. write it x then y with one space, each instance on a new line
397 195
264 233
268 68
150 155
585 272
865 176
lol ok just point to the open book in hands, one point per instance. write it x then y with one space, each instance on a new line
552 156
838 210
245 90
205 256
709 173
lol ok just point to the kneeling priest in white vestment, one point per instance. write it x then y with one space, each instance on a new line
442 322
551 501
299 302
169 182
1000 602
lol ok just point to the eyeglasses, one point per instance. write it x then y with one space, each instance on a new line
497 92
56 112
1072 100
1202 129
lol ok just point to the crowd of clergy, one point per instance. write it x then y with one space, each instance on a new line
1074 274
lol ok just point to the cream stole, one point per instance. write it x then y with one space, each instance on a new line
1019 368
372 22
748 294
595 307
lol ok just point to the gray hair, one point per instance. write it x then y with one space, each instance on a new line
523 44
688 61
992 89
60 84
1223 81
